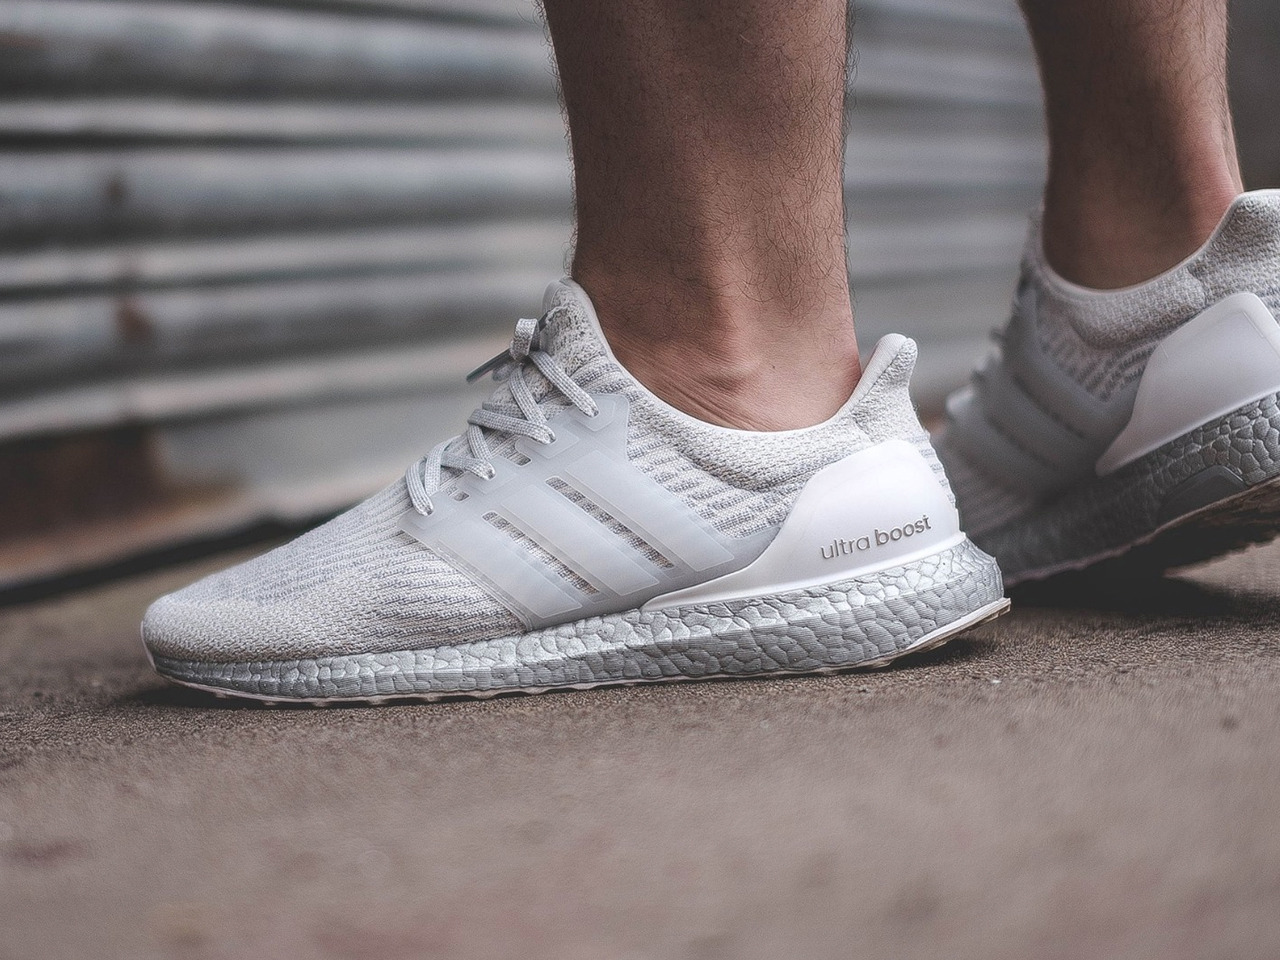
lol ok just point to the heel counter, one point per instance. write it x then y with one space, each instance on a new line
874 509
1222 359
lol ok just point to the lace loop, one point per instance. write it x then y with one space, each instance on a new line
524 342
470 451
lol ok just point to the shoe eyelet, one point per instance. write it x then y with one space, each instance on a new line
551 437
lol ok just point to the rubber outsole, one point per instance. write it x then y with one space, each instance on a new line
868 621
1120 523
1234 523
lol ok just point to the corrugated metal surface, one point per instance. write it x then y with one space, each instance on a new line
266 236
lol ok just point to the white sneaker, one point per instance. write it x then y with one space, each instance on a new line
583 532
1141 424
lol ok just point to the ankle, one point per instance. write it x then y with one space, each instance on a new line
729 359
1107 242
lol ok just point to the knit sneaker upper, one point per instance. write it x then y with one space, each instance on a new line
1062 383
360 583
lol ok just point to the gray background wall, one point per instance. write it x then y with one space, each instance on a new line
247 249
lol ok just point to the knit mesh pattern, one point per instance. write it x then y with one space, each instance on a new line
352 584
740 481
1104 339
356 584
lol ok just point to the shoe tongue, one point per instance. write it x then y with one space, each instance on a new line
571 334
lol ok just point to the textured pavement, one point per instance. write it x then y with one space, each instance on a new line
1093 776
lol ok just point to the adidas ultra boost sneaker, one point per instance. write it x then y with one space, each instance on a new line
583 532
1140 424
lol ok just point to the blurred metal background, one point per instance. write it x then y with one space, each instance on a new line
248 248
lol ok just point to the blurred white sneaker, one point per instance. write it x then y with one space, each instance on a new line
583 532
1141 424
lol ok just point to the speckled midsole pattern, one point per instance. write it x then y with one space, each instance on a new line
863 621
1097 518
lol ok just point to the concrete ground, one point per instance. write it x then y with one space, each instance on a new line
1093 776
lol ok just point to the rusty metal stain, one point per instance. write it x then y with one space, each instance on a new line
44 485
134 324
22 41
116 188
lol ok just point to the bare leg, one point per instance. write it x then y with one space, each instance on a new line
707 142
1142 154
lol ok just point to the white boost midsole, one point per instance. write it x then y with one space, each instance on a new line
837 626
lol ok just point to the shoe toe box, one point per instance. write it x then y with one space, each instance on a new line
354 585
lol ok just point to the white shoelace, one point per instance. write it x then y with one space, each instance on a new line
470 451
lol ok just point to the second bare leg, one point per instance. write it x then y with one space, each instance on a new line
1142 153
707 142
